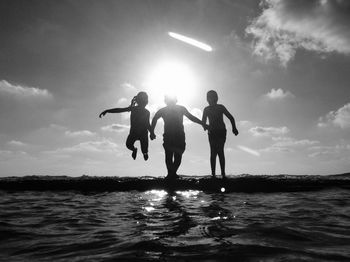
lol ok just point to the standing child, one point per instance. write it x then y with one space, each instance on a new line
139 123
217 130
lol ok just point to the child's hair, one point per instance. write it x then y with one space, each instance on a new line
141 98
170 99
212 97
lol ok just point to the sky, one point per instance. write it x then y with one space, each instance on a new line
281 67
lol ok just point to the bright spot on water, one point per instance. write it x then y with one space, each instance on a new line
149 209
218 218
223 189
188 193
156 195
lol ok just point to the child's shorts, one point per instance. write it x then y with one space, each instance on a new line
217 138
174 143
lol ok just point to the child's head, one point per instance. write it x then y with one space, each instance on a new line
141 99
170 100
212 97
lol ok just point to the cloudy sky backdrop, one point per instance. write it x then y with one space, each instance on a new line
281 67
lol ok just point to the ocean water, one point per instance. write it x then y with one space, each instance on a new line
175 226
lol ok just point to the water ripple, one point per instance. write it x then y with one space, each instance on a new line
183 225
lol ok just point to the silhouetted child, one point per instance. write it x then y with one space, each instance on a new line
217 130
174 133
139 123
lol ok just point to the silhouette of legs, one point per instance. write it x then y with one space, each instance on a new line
217 144
177 162
213 161
173 162
130 141
174 147
221 155
169 161
144 145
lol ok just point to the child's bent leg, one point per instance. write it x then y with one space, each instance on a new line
130 145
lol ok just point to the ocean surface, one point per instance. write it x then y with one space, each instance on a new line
175 226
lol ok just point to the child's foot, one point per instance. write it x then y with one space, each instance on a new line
134 153
145 156
213 176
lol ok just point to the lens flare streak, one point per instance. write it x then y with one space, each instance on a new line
191 41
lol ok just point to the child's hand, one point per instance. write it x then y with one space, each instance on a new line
133 101
152 136
235 131
103 113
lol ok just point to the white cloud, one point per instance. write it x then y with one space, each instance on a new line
340 118
249 150
122 101
288 144
57 127
292 142
279 94
287 25
244 123
330 151
115 128
81 133
6 155
275 149
16 143
268 131
23 91
128 86
103 146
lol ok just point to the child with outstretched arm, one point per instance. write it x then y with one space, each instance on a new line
217 130
139 123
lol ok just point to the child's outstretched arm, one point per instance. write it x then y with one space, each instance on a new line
232 120
115 110
195 119
204 119
151 133
153 124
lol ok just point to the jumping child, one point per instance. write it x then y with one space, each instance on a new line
139 123
217 130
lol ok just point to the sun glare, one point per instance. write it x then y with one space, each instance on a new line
171 78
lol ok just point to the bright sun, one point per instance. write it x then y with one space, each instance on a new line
171 78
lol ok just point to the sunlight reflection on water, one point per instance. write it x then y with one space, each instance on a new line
160 225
